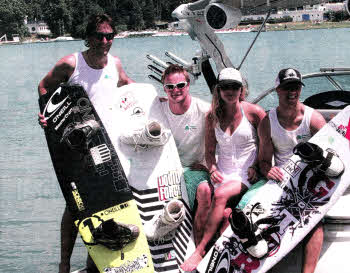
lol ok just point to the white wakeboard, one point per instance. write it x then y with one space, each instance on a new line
297 206
154 173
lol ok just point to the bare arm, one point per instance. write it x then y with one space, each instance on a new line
210 149
266 151
123 78
60 73
317 122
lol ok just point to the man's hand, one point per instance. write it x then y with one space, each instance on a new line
42 121
275 173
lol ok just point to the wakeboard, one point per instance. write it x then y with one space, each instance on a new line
290 209
154 172
92 179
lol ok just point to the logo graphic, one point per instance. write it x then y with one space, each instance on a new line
190 127
52 108
347 134
127 101
169 185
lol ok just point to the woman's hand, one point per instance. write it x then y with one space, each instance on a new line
216 177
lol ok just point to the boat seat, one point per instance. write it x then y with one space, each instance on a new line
332 100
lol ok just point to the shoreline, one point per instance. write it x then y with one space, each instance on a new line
288 26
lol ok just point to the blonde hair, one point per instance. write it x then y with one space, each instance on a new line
216 113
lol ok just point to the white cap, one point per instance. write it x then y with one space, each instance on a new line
230 75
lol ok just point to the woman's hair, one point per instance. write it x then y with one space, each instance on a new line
216 113
93 22
175 68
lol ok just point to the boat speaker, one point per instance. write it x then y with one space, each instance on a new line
221 16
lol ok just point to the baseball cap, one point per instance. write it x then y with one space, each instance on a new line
230 75
288 75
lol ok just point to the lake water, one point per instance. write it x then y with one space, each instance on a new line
31 203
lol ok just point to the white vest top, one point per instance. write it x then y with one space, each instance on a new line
188 130
100 84
236 153
283 140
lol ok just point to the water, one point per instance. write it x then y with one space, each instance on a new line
31 203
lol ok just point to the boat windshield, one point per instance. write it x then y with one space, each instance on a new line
315 83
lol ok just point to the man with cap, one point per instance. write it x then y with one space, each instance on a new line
231 132
291 122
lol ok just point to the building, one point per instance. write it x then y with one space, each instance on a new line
314 13
37 27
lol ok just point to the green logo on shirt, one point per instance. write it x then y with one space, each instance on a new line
190 127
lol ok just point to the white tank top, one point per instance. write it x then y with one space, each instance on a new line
283 140
100 84
188 130
236 153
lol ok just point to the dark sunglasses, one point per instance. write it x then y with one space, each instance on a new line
230 86
291 87
179 85
100 35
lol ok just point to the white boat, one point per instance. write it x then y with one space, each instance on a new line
327 90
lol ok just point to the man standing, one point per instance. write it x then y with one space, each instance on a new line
186 117
99 73
279 132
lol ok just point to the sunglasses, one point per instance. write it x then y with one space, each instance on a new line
291 87
100 35
230 86
179 85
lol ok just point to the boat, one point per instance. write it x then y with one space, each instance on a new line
327 90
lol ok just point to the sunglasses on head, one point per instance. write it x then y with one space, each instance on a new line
179 85
230 86
100 35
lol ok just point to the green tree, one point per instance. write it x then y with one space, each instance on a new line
12 15
149 13
81 10
58 16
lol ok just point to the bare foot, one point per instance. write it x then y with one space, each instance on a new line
192 262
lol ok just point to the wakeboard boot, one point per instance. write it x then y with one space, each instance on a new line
165 223
115 235
248 233
324 162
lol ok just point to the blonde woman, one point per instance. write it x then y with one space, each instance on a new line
231 133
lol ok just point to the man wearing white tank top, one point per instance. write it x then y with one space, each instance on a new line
99 73
291 122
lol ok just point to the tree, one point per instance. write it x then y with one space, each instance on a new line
149 13
12 15
57 15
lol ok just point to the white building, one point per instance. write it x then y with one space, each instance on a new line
37 27
312 13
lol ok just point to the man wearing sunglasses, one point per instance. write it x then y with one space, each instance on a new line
100 74
186 116
291 122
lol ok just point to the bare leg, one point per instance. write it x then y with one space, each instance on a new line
225 222
68 237
221 195
204 201
312 249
